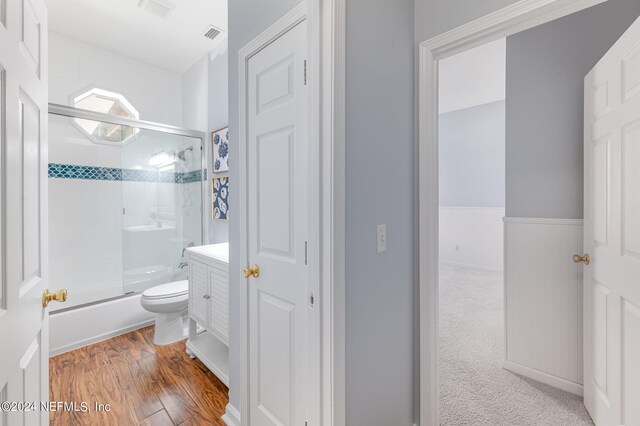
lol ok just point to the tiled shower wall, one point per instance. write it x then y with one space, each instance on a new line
75 66
85 220
114 228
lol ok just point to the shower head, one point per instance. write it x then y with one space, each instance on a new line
182 154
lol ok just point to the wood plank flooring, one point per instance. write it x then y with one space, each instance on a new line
144 384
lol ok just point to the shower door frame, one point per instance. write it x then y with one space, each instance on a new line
71 112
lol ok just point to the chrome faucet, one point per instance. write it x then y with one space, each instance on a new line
183 265
191 244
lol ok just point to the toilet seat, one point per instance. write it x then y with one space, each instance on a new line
164 291
169 302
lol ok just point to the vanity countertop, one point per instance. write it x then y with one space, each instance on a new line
216 251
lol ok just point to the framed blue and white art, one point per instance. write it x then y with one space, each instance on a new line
220 145
220 198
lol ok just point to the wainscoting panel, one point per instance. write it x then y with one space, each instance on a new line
472 236
543 300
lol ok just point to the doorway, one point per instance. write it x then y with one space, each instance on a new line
545 280
472 87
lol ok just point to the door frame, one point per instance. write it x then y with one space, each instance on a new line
326 82
510 20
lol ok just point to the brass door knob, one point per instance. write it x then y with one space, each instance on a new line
581 259
58 296
252 271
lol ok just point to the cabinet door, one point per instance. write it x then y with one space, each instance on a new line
219 304
198 288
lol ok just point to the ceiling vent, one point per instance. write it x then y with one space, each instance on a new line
212 32
159 8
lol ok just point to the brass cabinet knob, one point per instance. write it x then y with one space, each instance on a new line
252 271
581 259
58 296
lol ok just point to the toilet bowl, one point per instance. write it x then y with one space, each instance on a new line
169 302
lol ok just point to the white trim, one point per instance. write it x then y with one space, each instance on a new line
90 341
326 19
333 243
519 16
512 19
544 221
231 416
470 266
548 379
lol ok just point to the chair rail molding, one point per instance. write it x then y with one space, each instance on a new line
509 20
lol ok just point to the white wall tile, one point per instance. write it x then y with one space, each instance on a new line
64 193
99 220
64 249
110 193
155 92
99 73
89 195
61 87
64 221
86 217
101 246
64 63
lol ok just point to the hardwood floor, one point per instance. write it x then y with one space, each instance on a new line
144 384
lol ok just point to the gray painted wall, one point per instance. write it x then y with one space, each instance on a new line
545 76
218 118
379 287
379 175
433 17
472 156
247 19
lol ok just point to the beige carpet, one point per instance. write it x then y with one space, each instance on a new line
474 389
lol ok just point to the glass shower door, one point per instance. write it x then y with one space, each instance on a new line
124 202
162 201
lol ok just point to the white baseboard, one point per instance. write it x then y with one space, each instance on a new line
547 379
471 266
231 416
76 328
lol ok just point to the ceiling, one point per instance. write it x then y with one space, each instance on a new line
473 77
174 42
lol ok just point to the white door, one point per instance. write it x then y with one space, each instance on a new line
24 351
277 231
612 235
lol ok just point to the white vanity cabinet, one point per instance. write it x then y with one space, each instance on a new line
209 307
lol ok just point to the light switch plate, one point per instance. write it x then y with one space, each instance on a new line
382 238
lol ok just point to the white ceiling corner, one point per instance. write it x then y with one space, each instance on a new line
173 43
473 77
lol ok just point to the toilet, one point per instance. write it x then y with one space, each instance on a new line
169 302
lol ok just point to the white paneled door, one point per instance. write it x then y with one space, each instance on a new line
612 235
277 145
24 351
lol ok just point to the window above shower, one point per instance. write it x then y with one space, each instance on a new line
107 102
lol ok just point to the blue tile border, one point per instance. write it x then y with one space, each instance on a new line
70 171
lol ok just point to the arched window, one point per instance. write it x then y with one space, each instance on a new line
100 100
